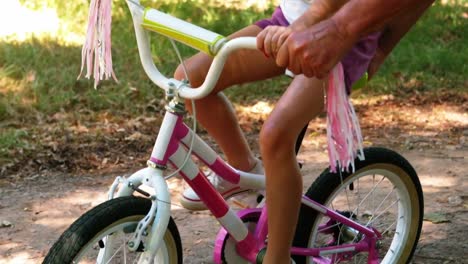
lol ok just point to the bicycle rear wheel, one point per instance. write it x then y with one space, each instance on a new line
116 218
384 193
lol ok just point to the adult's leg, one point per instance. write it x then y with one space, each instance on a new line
302 101
215 112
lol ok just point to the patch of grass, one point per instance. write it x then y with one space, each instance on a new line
38 75
12 139
433 55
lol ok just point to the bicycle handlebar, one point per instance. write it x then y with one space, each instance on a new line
217 46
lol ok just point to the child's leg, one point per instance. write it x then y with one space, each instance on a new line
303 100
215 112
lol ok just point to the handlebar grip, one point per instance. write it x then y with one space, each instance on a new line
182 31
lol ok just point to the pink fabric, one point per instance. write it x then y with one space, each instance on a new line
96 53
343 131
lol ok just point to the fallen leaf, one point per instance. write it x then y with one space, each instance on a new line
137 136
5 223
455 200
436 218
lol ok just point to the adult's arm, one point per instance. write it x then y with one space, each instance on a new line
318 11
316 50
360 17
393 33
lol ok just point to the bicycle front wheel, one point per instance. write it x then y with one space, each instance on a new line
384 193
116 219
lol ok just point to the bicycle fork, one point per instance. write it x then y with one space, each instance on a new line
158 216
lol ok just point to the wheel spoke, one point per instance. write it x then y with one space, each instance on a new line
346 191
388 228
372 218
124 249
383 211
373 193
328 227
359 195
367 195
113 255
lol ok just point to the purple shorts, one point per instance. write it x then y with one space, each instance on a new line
355 62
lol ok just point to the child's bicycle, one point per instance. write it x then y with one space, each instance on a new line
372 215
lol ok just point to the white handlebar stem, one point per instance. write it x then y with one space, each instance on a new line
144 46
160 80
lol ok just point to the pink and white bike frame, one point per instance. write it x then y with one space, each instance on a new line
171 148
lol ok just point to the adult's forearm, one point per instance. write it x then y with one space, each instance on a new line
397 27
359 17
318 11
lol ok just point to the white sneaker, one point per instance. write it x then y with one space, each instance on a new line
191 201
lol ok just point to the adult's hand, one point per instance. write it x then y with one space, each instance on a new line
316 50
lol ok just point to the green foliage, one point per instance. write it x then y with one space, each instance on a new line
45 70
12 139
433 55
40 74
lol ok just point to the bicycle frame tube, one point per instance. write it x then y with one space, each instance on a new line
174 134
170 148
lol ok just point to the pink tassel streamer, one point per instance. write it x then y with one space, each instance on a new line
96 53
343 130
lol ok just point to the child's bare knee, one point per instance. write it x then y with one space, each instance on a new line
194 74
196 68
179 73
273 141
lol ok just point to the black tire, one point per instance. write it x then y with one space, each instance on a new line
409 197
122 212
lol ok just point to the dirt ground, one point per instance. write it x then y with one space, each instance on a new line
40 209
37 207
